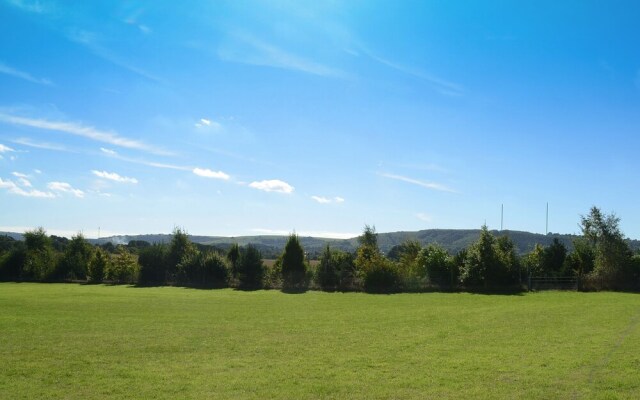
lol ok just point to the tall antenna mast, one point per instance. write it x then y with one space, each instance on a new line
501 216
546 227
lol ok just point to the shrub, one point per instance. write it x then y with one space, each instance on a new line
123 268
206 269
381 276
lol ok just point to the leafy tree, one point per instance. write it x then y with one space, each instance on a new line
555 256
123 268
99 265
486 261
534 261
435 263
40 258
612 253
76 259
327 273
294 268
368 251
508 261
12 263
369 237
153 264
250 268
179 248
347 272
408 256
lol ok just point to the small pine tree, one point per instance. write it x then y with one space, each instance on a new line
294 268
250 268
327 272
233 255
98 266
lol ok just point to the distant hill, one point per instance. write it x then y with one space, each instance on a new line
453 240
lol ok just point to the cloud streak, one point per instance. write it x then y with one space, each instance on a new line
443 86
327 200
40 145
5 149
247 49
82 130
273 185
7 70
91 42
207 173
112 176
64 187
428 185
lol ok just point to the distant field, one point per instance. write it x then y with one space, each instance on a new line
77 341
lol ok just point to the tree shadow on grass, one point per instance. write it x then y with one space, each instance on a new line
301 290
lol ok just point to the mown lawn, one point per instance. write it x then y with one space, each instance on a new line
78 341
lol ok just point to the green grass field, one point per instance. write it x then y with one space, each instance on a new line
77 341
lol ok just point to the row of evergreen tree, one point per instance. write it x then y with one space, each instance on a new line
600 259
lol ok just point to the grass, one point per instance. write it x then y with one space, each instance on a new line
80 341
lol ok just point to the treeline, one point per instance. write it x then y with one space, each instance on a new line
600 259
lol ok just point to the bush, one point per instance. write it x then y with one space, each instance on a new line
382 276
123 268
203 269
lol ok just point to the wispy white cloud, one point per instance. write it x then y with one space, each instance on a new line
204 123
207 173
91 41
321 234
5 149
113 154
65 188
7 70
327 200
40 145
247 49
33 6
22 179
443 86
13 188
428 185
112 176
273 185
424 217
82 130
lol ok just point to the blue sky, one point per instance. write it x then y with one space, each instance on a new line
251 117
